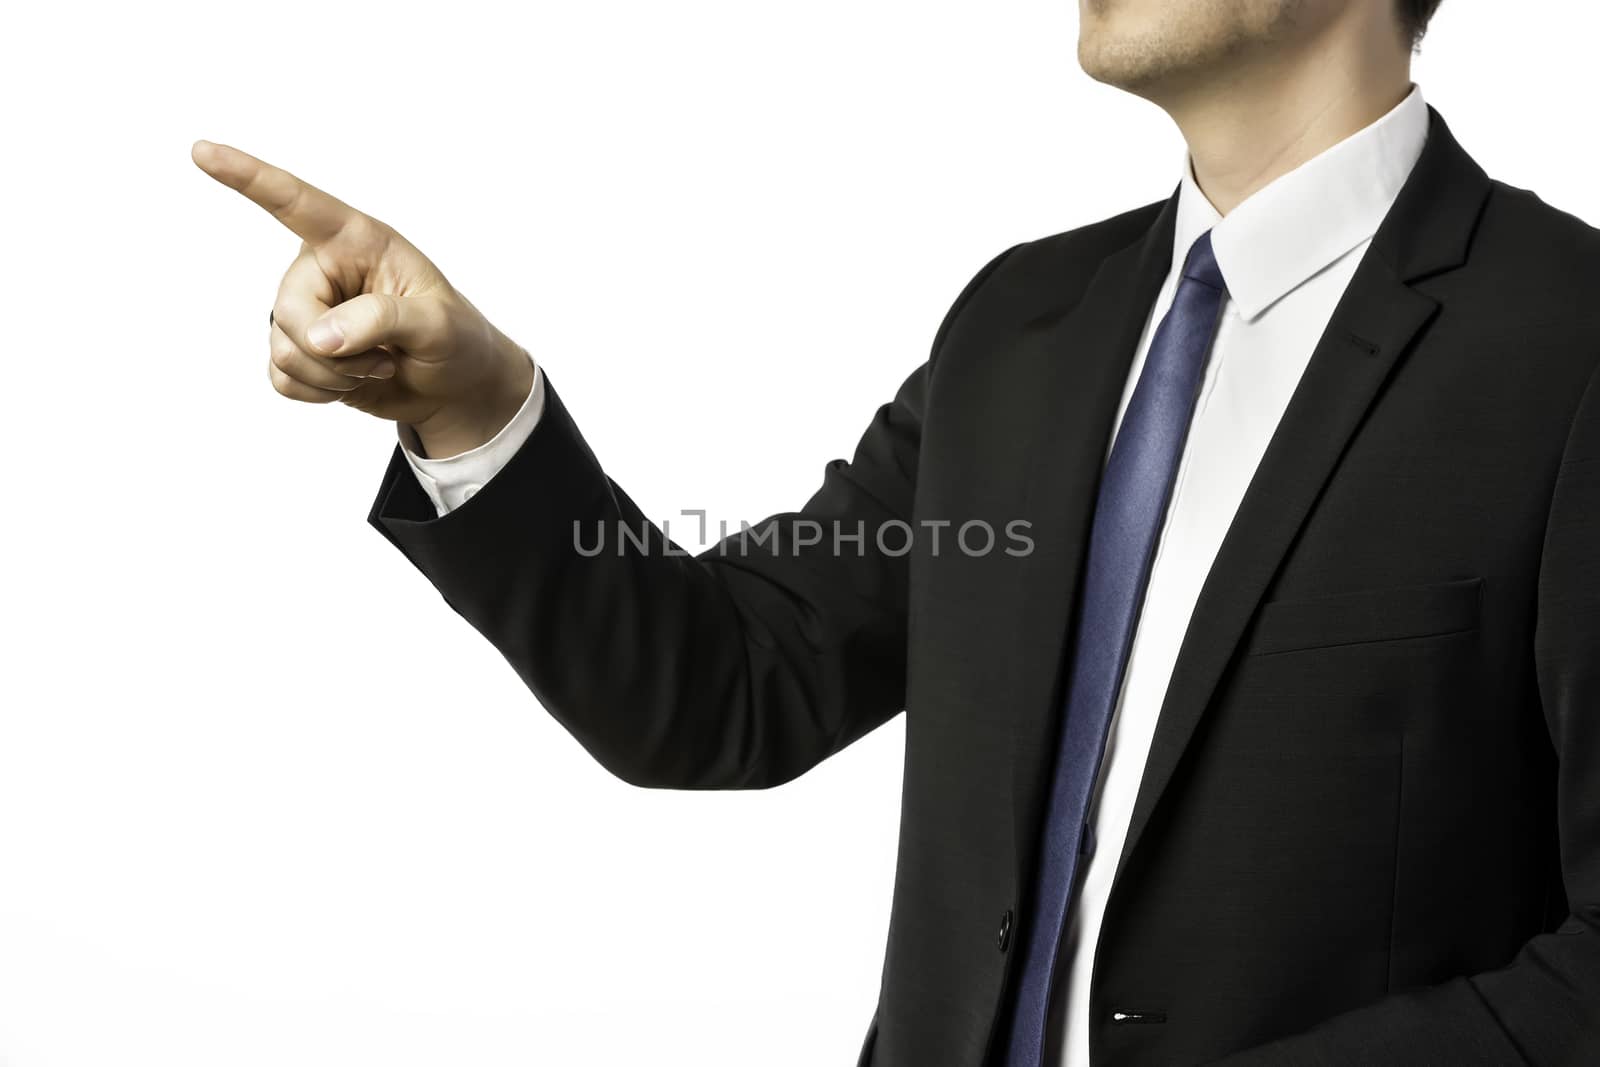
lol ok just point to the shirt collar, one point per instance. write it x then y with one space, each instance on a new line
1296 225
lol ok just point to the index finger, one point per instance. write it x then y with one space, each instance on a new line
309 212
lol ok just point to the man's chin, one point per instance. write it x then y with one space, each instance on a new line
1119 72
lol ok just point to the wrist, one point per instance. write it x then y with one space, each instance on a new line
476 418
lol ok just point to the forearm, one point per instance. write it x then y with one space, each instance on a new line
722 671
1538 1011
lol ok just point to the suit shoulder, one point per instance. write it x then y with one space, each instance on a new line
1042 271
1529 289
1084 247
1531 239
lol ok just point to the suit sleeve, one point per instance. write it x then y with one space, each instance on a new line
740 667
1543 1007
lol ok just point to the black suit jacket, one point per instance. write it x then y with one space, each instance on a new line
1368 831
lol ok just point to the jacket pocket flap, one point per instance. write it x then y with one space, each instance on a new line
1365 615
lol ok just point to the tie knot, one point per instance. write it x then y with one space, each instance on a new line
1201 265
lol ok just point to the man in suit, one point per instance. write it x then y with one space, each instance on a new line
1275 737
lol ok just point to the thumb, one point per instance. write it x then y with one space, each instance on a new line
414 323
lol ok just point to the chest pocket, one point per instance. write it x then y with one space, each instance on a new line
1365 615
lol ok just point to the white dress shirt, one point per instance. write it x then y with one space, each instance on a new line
1286 254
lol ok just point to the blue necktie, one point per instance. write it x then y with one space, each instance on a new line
1128 516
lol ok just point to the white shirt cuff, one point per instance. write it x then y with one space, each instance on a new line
452 480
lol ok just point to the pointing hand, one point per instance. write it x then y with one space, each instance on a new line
364 318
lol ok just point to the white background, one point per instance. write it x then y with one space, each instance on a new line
263 798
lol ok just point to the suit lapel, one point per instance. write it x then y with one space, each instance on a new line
1379 317
1374 324
1075 362
1079 360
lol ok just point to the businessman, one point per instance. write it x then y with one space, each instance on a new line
1271 735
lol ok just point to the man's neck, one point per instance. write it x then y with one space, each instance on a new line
1265 122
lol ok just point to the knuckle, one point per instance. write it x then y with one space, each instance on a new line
434 317
362 229
357 366
387 314
280 381
287 208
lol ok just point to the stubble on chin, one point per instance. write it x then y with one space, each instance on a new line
1166 54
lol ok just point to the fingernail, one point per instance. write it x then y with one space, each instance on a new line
383 370
326 335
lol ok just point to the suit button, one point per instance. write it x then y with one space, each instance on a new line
1004 940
